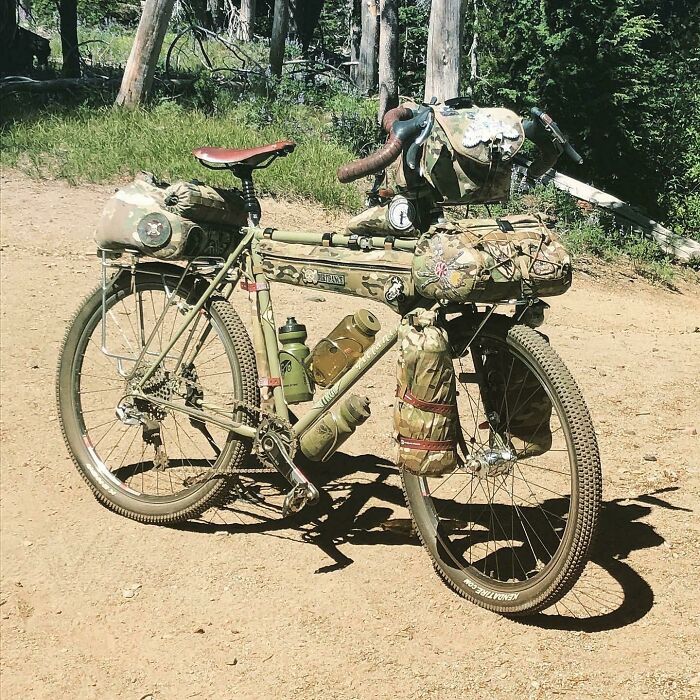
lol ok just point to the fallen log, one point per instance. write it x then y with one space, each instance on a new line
11 85
679 247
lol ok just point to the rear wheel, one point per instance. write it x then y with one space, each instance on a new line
149 463
511 528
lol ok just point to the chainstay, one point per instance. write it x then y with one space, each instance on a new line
265 416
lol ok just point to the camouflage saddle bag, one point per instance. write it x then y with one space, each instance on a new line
170 222
521 403
425 413
487 260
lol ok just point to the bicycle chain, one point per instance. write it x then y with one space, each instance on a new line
265 417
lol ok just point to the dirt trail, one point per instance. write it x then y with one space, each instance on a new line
340 609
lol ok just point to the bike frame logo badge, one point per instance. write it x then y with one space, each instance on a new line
394 290
310 276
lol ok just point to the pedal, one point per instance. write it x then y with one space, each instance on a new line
273 451
298 497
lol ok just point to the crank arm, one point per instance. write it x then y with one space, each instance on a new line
303 491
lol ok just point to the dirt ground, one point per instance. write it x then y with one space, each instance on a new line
337 607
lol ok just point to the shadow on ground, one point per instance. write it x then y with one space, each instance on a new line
610 594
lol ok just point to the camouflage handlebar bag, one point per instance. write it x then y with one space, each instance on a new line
487 260
468 155
137 219
425 413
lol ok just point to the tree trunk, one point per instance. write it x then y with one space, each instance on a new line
444 49
246 20
355 38
25 10
8 32
367 68
388 57
307 14
141 66
280 24
68 13
216 14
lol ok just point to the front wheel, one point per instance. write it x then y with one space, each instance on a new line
511 527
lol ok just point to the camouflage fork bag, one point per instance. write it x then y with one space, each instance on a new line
486 260
137 219
523 407
425 413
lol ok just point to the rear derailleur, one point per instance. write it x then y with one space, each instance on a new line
275 446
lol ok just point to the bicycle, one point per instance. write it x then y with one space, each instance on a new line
164 394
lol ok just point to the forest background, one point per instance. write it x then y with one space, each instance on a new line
622 77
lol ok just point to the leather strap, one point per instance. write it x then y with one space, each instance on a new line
442 409
427 445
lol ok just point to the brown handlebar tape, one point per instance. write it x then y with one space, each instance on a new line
382 158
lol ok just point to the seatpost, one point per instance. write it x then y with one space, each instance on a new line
250 200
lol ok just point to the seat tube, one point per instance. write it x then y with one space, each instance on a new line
267 321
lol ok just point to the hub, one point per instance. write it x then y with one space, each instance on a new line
491 463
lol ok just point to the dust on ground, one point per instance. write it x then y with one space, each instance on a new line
339 608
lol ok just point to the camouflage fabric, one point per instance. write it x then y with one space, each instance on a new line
382 275
136 219
478 260
375 221
425 411
206 205
521 403
467 156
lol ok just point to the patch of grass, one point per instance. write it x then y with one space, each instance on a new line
88 144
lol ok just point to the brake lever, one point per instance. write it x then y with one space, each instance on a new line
413 149
558 137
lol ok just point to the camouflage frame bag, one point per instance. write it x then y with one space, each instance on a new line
380 274
487 260
138 219
425 413
467 156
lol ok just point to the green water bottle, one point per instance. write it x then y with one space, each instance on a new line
298 385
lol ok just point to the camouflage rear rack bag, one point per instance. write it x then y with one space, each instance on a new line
467 156
425 413
206 205
486 260
199 222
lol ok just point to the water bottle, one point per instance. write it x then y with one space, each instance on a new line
343 347
298 386
325 436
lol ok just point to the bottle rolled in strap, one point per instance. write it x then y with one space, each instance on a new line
425 414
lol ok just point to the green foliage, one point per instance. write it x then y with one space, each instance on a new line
414 18
354 124
620 75
100 144
93 13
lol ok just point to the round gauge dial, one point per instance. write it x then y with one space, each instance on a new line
402 213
